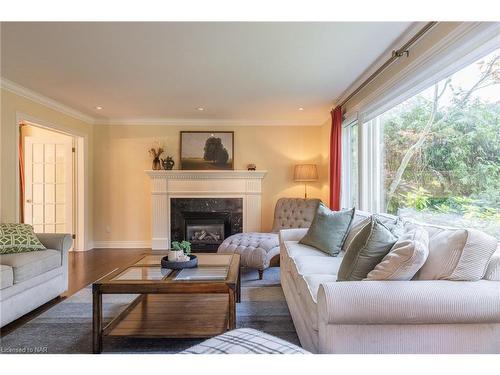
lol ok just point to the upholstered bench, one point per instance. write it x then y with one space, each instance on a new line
245 341
261 250
256 249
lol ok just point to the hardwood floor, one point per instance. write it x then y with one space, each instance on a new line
84 267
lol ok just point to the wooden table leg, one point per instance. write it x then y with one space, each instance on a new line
238 287
96 320
232 309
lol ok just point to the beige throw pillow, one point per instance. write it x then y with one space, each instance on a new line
457 254
405 258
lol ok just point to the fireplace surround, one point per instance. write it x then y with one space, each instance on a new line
169 185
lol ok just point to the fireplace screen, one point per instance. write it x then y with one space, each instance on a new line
205 233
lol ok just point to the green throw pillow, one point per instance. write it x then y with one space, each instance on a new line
18 238
359 261
328 230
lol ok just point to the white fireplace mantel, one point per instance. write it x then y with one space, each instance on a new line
203 184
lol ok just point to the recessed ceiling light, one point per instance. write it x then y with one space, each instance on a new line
200 109
98 107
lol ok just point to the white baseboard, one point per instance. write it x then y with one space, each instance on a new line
121 245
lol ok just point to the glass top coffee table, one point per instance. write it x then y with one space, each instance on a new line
190 303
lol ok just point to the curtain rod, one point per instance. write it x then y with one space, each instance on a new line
396 54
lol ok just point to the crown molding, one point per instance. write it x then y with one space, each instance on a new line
203 122
44 100
62 108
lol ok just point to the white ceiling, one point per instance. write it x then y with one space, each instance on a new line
255 72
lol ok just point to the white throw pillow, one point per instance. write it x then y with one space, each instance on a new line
404 259
457 254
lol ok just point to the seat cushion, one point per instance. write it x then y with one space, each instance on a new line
255 249
6 276
307 265
295 249
28 265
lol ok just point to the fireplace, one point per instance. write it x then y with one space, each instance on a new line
171 190
205 222
206 230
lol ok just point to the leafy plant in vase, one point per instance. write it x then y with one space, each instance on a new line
155 153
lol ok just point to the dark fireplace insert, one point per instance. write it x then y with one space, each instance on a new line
205 222
206 230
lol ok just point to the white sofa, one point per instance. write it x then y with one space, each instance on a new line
386 316
28 280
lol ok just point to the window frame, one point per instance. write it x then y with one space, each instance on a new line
467 43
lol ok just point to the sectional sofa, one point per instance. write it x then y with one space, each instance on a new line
434 316
30 279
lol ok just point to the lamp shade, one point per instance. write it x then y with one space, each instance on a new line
305 173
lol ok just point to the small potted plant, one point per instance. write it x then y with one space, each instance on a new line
180 251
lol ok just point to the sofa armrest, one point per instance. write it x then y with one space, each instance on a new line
409 302
56 241
61 242
294 234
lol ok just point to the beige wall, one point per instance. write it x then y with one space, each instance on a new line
11 105
122 191
119 189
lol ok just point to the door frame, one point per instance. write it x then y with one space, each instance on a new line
70 188
81 173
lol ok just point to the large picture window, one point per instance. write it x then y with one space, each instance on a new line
440 151
350 165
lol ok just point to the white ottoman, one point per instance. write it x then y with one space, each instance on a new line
256 249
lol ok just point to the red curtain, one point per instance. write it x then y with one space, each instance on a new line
21 175
335 158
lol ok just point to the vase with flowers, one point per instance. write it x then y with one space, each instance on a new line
155 153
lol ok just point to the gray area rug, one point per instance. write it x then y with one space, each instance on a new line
67 327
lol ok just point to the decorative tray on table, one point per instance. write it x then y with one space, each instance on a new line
191 263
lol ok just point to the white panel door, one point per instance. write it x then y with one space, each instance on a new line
48 173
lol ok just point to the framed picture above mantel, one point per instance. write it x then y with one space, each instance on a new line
207 150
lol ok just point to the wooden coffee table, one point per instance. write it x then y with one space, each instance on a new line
192 303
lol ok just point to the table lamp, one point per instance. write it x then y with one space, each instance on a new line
305 173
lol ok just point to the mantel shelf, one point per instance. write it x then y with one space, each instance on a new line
197 175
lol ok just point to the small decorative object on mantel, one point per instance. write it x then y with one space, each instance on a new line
251 167
180 257
155 153
168 163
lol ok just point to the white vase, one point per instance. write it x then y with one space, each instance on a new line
175 255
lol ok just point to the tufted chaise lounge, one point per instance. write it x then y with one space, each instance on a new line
261 250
